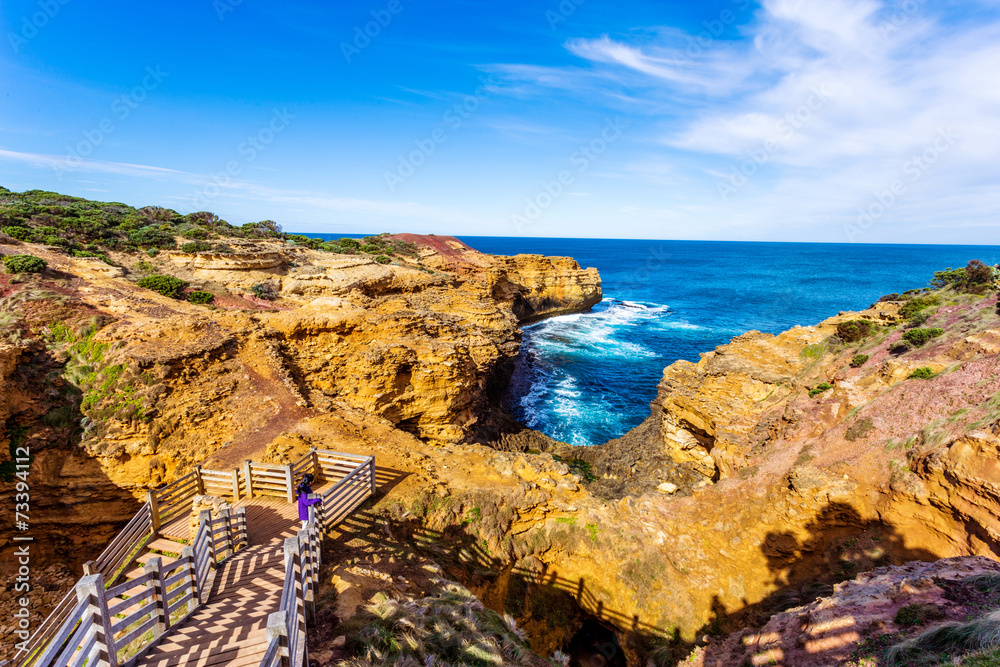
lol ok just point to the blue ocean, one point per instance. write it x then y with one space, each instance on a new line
589 377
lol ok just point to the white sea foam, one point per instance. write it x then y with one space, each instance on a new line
594 333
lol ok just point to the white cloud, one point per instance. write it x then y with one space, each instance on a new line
835 97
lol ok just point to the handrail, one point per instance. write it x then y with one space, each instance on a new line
303 557
81 630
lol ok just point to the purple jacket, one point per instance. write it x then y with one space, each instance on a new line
304 502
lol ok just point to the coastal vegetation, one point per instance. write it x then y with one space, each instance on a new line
87 228
24 264
165 285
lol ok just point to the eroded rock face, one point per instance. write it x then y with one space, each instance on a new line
830 630
538 287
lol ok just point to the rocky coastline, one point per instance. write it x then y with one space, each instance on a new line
767 473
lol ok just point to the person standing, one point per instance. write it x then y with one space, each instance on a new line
304 490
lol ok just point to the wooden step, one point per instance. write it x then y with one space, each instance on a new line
148 556
165 545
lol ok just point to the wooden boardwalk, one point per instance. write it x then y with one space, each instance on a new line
231 628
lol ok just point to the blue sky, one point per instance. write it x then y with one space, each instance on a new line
787 120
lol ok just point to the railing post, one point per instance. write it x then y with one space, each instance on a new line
89 568
159 599
92 587
317 468
154 510
317 514
228 550
189 554
241 527
202 577
236 485
205 519
308 575
289 484
200 481
277 629
371 472
248 478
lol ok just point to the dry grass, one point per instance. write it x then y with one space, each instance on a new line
451 628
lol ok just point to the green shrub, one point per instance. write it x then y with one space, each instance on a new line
916 304
912 615
153 252
199 296
919 337
819 389
371 249
854 330
193 232
18 232
918 319
24 264
859 429
978 277
352 244
196 246
922 373
165 285
948 277
153 237
859 360
382 259
264 291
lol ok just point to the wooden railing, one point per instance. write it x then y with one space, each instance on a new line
116 624
165 589
286 627
110 565
75 632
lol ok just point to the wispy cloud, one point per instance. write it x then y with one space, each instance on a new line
241 191
836 96
63 163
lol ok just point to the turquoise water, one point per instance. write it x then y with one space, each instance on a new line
589 377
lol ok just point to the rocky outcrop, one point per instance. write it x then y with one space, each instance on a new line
845 625
117 389
537 287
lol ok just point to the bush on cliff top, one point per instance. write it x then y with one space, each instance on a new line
165 285
819 389
854 330
199 296
859 360
24 264
919 337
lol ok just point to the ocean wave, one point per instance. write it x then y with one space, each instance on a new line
596 333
